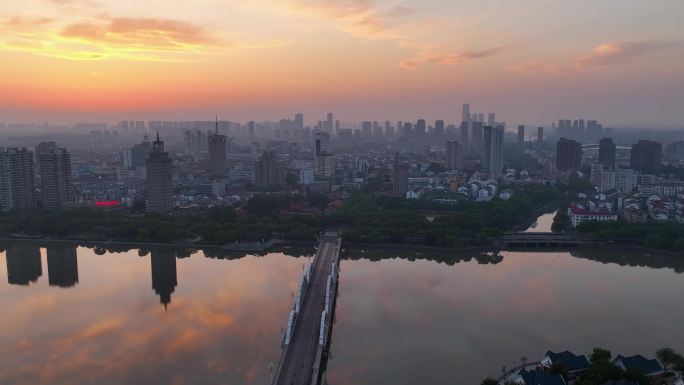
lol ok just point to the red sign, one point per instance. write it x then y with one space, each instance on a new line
107 203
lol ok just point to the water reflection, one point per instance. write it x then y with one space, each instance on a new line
164 278
62 265
23 264
403 317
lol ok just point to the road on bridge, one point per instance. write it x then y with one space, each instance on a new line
298 362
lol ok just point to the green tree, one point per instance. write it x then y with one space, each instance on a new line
489 381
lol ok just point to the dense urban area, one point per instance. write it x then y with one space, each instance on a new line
439 184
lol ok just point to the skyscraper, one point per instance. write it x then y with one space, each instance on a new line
322 143
326 164
465 113
366 129
521 135
476 137
217 152
329 123
439 128
491 119
568 155
17 184
55 176
419 129
540 136
646 156
299 121
674 152
493 150
454 155
607 151
269 171
159 180
464 134
400 175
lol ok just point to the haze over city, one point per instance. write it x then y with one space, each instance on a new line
341 192
531 61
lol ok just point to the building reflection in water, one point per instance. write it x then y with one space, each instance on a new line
62 265
164 279
23 263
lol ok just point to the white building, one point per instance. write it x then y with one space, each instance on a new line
579 214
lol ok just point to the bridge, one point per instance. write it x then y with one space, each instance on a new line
542 240
306 340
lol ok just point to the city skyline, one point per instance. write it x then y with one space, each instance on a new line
82 60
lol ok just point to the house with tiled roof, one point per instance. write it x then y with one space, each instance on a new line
538 377
648 367
571 362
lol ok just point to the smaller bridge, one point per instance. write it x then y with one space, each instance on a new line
543 240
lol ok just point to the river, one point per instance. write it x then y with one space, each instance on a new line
82 316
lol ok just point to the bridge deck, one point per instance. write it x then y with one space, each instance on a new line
300 355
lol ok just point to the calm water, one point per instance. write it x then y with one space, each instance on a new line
543 224
452 320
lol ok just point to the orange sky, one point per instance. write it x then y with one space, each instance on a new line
530 61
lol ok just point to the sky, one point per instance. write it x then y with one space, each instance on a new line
530 61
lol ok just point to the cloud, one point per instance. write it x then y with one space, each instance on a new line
103 37
430 56
151 34
617 53
359 18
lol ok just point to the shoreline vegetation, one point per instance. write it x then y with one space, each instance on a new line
365 220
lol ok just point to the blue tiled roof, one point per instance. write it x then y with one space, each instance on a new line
539 377
570 361
647 366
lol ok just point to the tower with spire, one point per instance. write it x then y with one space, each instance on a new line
218 151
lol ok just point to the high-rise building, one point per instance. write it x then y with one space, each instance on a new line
269 171
439 128
568 155
646 156
321 142
299 121
521 135
493 150
326 164
366 129
140 152
674 152
419 128
17 179
62 265
464 134
329 123
164 276
55 176
159 188
623 180
465 114
400 177
491 119
476 137
218 150
607 152
454 155
540 136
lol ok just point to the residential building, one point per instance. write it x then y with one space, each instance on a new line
582 213
454 155
17 179
646 156
493 150
607 152
568 155
55 176
325 165
400 177
269 171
